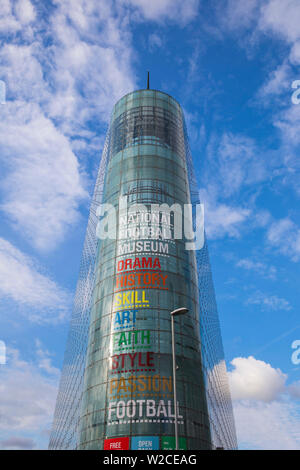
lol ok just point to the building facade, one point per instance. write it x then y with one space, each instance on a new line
116 389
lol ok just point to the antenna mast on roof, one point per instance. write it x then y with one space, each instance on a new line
148 81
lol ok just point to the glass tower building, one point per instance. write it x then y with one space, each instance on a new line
116 389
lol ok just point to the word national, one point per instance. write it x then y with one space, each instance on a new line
137 222
140 216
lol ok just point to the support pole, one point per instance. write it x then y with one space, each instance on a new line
174 385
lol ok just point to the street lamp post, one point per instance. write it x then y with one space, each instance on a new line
177 312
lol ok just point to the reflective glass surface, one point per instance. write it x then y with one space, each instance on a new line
117 386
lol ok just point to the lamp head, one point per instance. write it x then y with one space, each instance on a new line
179 311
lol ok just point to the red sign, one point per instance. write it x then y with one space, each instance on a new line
119 443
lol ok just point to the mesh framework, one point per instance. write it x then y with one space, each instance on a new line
147 122
217 388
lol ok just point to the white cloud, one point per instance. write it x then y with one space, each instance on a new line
43 185
25 11
288 122
257 266
233 162
238 162
27 399
279 81
267 426
295 53
221 219
262 218
294 390
155 41
265 416
237 14
234 171
282 18
284 235
22 281
44 360
277 92
92 56
279 17
23 72
17 443
268 17
179 11
50 100
275 19
252 379
8 22
270 302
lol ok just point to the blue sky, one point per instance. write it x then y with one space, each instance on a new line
231 64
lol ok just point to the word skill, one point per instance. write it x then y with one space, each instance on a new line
129 299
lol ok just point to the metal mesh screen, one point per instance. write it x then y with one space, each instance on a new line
217 388
64 434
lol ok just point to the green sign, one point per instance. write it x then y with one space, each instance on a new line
168 443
